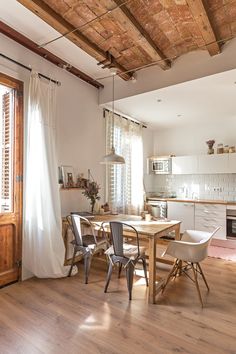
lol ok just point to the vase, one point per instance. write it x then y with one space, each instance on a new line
92 206
210 144
210 151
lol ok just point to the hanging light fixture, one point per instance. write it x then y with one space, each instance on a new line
112 158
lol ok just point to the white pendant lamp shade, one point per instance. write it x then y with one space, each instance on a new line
112 158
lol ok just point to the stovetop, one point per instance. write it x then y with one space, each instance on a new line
160 196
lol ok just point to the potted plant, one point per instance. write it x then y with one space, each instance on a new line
210 144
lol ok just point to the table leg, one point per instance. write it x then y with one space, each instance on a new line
178 237
152 271
177 232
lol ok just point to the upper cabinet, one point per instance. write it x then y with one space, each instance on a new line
232 163
184 165
204 164
213 164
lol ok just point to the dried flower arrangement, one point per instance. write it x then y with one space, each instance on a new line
210 143
91 192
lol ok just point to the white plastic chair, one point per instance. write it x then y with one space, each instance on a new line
190 250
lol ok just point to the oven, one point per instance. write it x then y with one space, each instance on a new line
231 221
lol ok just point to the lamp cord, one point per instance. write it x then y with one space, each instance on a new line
113 109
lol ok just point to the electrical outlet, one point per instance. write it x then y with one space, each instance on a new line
217 189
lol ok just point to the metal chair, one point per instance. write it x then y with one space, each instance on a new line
189 251
123 254
85 241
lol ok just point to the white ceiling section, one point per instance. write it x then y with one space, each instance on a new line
211 98
24 21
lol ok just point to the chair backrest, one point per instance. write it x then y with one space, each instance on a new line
202 240
117 236
76 222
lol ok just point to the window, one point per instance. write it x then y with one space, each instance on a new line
124 183
6 143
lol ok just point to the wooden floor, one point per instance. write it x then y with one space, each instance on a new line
67 316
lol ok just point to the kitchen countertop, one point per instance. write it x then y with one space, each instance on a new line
204 201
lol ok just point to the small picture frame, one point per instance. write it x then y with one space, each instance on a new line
68 176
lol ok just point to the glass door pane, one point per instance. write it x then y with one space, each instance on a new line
6 148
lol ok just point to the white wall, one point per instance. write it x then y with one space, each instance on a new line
191 139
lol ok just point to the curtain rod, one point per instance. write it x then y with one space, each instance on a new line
29 69
124 117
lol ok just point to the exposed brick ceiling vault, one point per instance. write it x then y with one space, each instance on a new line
133 33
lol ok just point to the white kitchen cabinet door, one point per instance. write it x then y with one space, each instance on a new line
183 212
232 163
210 164
210 216
184 165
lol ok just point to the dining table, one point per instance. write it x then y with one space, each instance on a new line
151 232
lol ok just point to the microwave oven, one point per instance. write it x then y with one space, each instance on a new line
159 165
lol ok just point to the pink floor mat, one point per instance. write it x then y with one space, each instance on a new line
229 254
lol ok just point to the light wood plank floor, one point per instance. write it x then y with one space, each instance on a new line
67 316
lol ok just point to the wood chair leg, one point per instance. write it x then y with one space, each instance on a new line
87 264
171 273
145 269
203 276
130 276
196 283
72 262
120 268
108 276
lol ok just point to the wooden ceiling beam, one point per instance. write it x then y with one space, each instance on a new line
46 13
147 42
199 13
26 42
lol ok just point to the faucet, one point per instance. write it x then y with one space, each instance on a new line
194 195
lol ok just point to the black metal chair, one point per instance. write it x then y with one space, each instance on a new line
85 241
124 254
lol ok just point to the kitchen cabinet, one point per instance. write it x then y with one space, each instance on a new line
232 163
210 164
204 164
184 165
199 216
209 216
183 212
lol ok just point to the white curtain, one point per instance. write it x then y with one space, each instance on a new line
124 183
43 247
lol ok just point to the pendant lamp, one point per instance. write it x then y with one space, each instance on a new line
112 158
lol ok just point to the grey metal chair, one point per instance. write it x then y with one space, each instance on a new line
123 254
85 241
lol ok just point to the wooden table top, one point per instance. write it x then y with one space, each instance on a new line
149 228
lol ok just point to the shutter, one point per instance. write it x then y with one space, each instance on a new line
6 151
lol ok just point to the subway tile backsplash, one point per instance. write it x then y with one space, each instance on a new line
216 187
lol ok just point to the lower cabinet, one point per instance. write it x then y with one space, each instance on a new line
209 216
183 212
199 216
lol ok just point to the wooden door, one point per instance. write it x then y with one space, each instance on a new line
11 178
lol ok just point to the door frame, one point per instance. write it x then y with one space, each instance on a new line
16 216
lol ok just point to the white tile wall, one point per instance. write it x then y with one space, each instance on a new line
216 187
